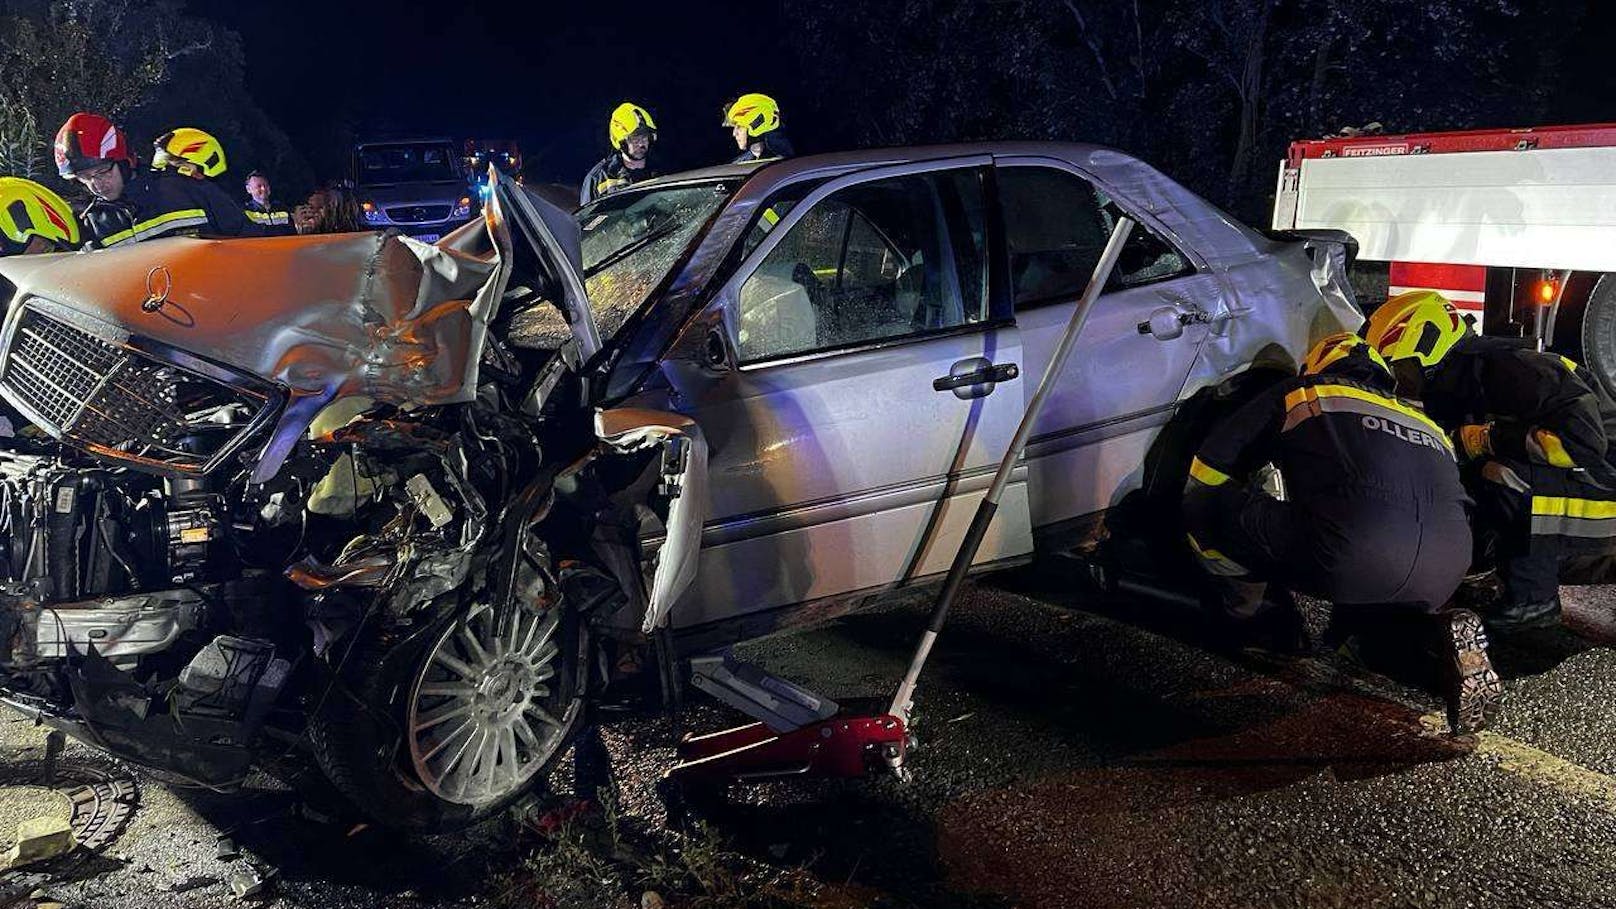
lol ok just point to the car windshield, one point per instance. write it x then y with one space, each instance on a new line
382 164
631 240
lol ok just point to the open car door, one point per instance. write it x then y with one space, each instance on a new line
547 244
545 240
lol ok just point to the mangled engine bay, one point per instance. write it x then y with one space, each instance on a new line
298 496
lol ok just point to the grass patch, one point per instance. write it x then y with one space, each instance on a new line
605 858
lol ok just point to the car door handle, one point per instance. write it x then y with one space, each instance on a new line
986 374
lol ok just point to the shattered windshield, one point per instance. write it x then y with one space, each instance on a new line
631 240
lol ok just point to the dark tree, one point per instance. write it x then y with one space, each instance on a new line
148 65
1210 90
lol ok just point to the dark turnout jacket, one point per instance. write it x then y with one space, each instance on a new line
609 175
1552 427
165 205
274 220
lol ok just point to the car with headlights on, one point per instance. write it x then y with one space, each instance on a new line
416 186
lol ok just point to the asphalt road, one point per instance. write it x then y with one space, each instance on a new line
1075 753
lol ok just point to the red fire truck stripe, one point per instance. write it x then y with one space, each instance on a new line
1574 136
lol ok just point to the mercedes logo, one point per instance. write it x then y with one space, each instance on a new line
158 284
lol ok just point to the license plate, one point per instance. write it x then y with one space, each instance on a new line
428 238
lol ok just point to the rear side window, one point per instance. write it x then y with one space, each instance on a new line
1056 226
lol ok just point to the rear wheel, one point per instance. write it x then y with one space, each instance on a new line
1599 333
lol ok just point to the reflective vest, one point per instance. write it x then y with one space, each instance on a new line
274 221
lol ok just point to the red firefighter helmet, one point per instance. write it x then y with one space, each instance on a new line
87 140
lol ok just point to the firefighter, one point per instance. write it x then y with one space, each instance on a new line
131 205
262 210
189 152
754 121
1534 433
34 219
1374 516
632 133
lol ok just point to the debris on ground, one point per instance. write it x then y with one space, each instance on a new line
602 857
549 821
40 838
225 849
55 742
194 882
246 882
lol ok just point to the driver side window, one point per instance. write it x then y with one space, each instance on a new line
886 259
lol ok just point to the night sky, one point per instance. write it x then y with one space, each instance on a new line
547 75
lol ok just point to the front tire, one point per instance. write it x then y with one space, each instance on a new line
451 725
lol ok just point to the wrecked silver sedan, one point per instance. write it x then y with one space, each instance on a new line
400 508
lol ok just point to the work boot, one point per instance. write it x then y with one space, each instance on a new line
1506 618
1472 688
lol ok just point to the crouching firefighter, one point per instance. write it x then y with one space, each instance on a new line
33 219
1374 517
1534 432
130 205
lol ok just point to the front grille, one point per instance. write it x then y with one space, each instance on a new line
55 369
417 214
122 403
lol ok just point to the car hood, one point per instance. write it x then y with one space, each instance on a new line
444 193
370 314
347 314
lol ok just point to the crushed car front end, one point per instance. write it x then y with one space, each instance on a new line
297 499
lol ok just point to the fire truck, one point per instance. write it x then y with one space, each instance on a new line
1516 226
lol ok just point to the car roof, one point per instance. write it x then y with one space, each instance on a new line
771 173
1198 222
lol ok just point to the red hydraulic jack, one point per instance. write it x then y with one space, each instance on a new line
801 734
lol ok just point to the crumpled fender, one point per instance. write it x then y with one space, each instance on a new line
629 429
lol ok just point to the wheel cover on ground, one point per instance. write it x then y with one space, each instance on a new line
485 713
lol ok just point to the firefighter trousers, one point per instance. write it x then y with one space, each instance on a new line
1352 551
1544 527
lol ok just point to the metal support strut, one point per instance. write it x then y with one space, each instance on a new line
796 737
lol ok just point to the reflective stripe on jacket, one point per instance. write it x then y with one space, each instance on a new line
163 205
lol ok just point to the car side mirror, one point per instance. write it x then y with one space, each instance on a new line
715 353
1165 324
